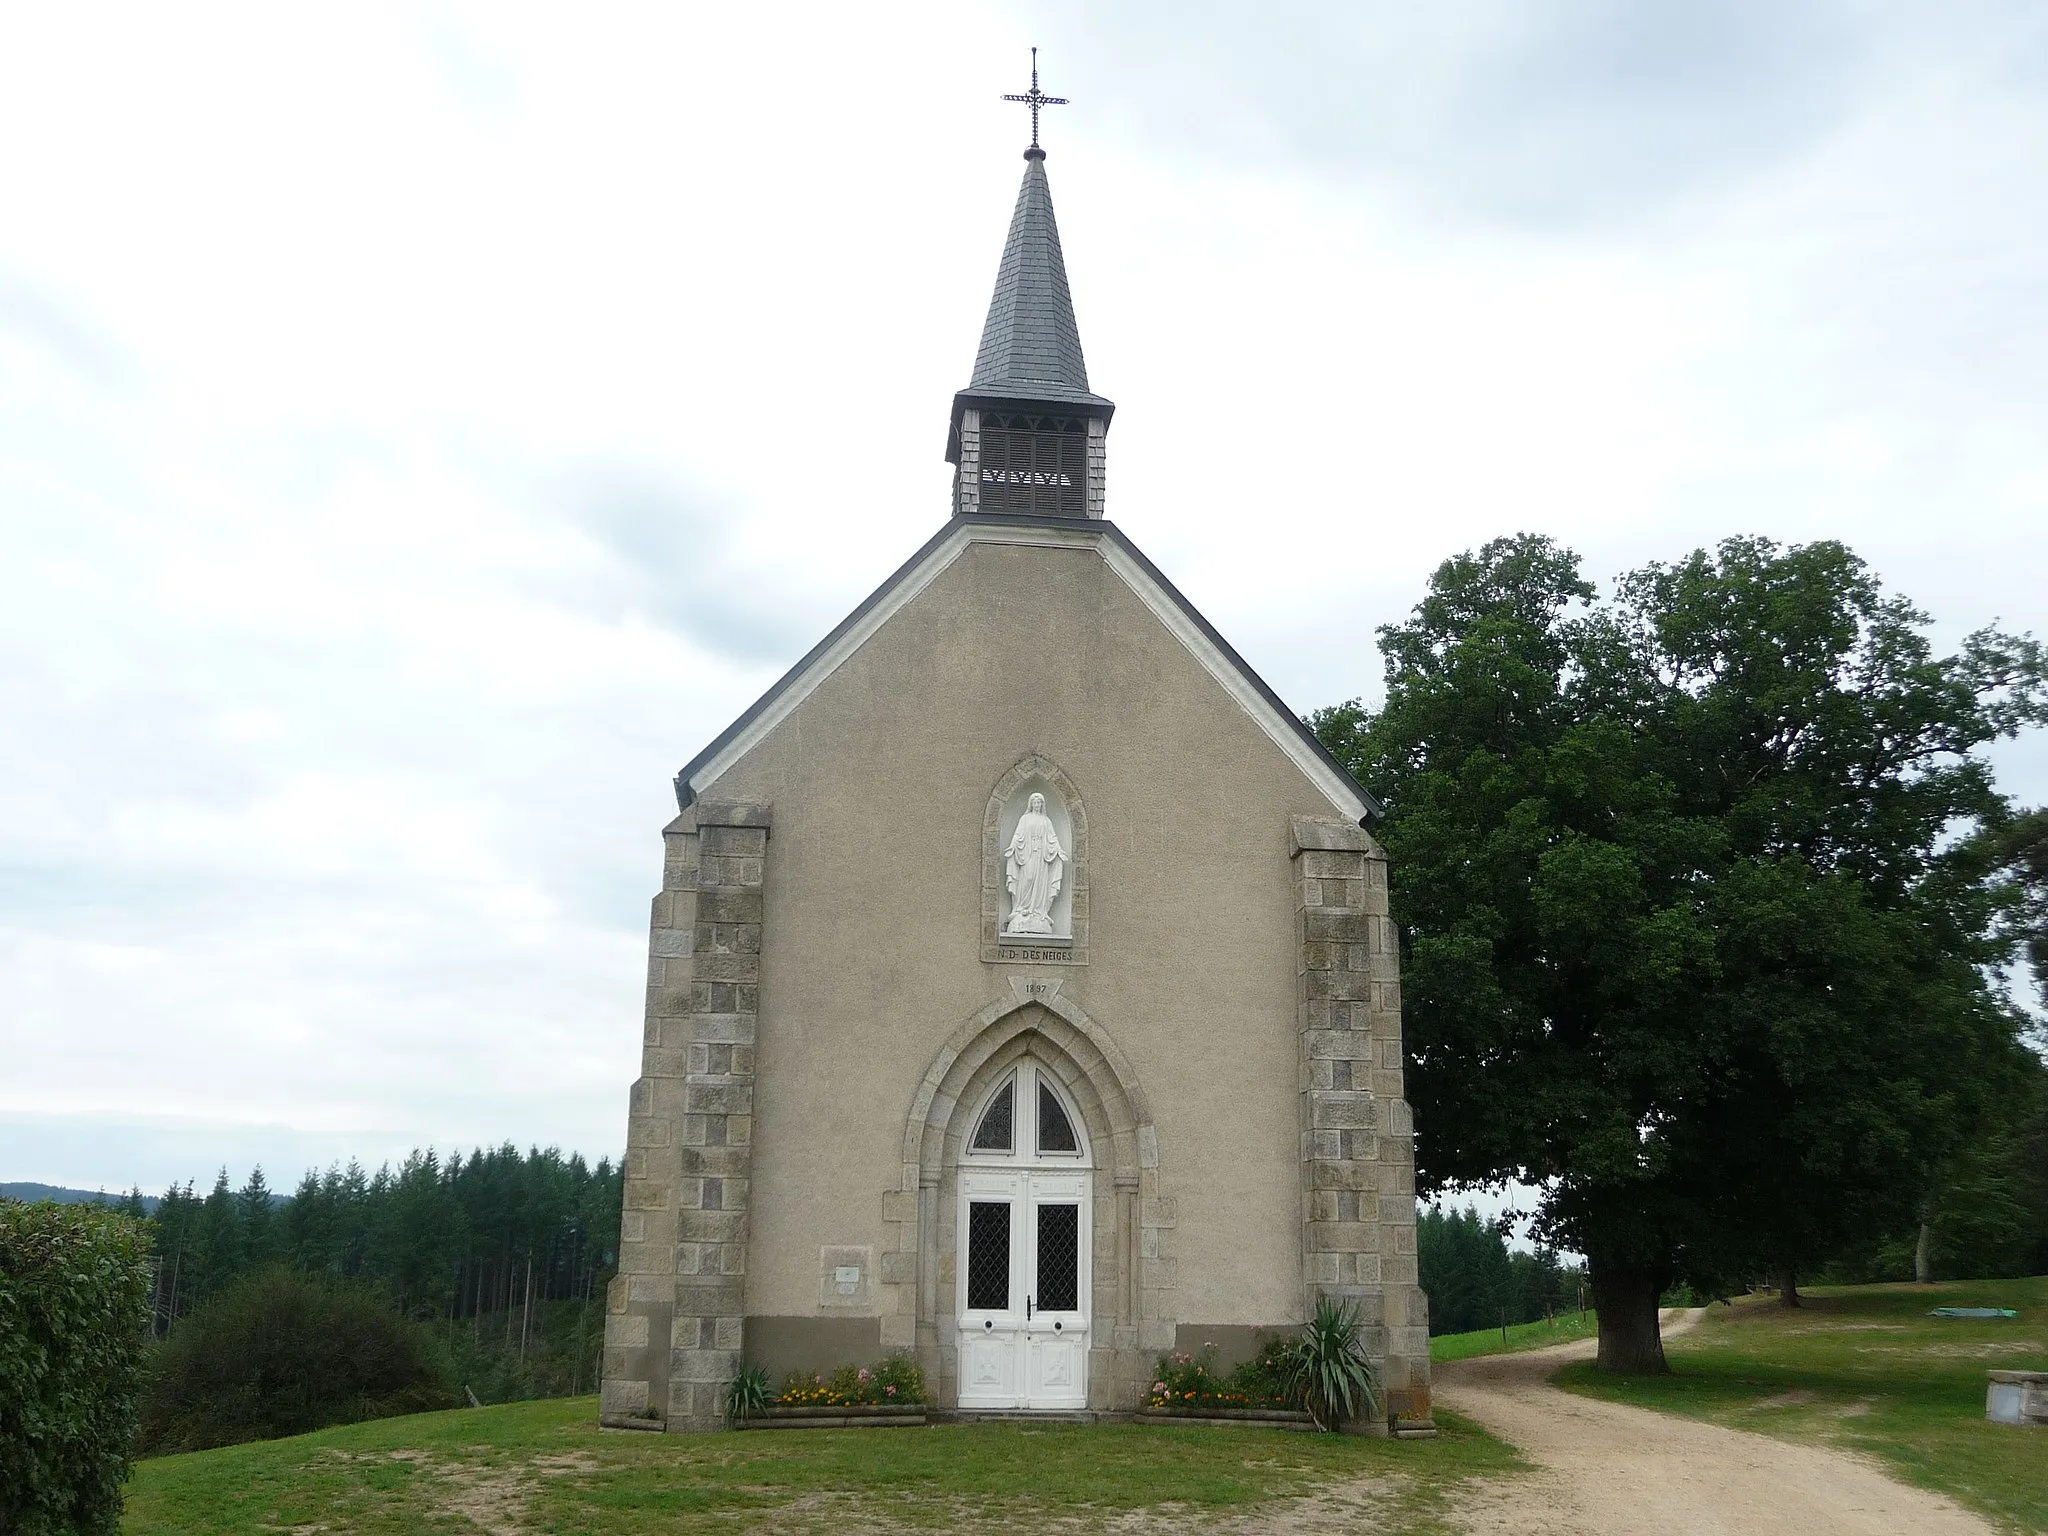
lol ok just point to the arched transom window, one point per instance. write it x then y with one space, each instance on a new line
1028 1118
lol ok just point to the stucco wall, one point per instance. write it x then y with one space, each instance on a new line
879 783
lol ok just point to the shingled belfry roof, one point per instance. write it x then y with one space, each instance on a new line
1030 347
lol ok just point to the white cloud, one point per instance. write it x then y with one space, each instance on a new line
422 429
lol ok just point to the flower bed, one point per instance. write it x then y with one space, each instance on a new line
1191 1385
1321 1373
891 1392
896 1382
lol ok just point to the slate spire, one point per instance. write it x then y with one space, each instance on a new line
1027 433
1030 345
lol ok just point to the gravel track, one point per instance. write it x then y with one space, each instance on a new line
1605 1469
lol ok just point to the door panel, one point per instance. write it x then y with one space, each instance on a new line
1057 1369
992 1293
1056 1333
989 1369
1024 1255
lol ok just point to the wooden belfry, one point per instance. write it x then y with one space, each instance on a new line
1027 435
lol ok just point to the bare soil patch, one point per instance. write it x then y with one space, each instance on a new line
1799 1397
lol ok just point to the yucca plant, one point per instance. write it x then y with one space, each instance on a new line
1327 1371
747 1397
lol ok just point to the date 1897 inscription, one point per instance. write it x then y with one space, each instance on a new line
1036 956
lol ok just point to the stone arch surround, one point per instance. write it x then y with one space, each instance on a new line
1133 1316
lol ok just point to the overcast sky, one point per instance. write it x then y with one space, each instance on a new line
422 429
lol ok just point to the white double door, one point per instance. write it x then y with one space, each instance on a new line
1024 1251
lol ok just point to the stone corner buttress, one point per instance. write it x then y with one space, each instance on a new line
674 1313
1357 1136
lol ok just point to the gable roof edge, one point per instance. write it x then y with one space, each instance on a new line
893 593
1315 760
1166 602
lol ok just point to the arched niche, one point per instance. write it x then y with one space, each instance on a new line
1067 942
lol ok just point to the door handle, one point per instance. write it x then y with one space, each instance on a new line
1027 1309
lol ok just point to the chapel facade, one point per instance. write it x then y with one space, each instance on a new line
1021 990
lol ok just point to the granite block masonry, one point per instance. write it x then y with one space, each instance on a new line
674 1324
1357 1138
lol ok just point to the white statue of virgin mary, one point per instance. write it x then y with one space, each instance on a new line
1036 862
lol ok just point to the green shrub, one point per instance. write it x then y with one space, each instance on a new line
1327 1369
281 1352
749 1395
74 1307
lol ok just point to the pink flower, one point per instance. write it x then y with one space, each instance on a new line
892 1391
1158 1386
863 1373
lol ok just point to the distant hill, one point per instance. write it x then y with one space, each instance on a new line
72 1196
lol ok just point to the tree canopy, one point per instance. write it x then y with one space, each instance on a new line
447 1239
2019 852
1696 937
1476 1281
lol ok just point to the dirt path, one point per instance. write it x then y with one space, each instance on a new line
1609 1470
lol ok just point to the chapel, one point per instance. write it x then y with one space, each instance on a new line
1021 992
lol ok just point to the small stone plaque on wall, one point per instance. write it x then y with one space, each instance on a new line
846 1279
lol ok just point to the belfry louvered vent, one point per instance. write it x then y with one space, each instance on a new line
1034 464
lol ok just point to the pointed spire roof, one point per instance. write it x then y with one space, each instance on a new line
1030 346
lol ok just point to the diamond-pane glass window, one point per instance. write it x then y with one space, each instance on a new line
994 1134
1055 1130
988 1255
1059 1258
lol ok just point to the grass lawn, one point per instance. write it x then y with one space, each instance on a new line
1866 1369
547 1467
1520 1336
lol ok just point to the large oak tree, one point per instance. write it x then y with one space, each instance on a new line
1693 941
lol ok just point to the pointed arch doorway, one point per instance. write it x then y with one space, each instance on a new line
1025 1242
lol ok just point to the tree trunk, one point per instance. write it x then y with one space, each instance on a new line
1788 1289
1923 1257
526 1318
1626 1298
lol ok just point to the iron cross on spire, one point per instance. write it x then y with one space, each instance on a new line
1035 98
